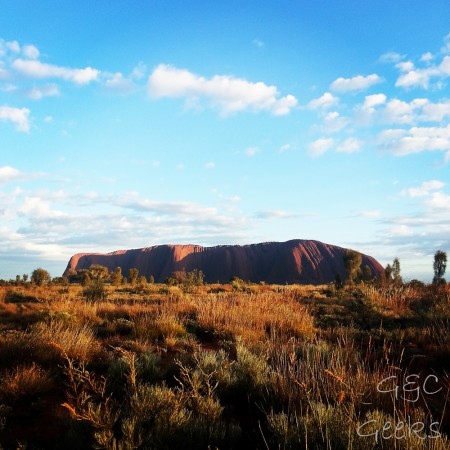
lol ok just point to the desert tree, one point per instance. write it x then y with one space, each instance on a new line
388 274
367 273
439 266
117 276
142 282
40 276
396 272
133 274
95 288
352 261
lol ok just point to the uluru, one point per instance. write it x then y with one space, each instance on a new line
295 261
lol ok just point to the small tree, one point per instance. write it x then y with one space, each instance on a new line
142 281
396 272
439 266
40 276
338 281
352 262
95 288
151 279
117 276
388 274
25 277
367 273
133 275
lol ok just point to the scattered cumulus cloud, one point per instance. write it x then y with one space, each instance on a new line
18 116
412 77
139 71
320 146
424 189
357 83
426 57
334 122
37 93
8 173
117 82
391 57
30 52
226 93
349 145
371 101
370 214
326 101
275 214
8 46
439 200
285 148
415 140
37 69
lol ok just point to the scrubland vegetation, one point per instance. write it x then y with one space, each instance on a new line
185 365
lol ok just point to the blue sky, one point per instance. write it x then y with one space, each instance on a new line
131 124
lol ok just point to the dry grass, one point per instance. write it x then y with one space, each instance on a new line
23 382
74 341
253 317
252 368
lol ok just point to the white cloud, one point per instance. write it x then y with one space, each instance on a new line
327 100
139 71
8 173
424 189
401 230
435 112
285 148
320 146
37 69
397 111
446 47
372 214
405 66
8 46
334 122
439 200
119 83
30 52
18 116
421 77
38 208
415 140
210 165
357 83
275 214
391 57
374 100
226 93
37 93
426 57
3 72
13 46
349 145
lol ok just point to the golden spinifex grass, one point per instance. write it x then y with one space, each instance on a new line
222 367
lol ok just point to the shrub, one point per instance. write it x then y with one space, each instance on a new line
23 382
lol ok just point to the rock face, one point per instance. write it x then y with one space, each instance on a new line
295 261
